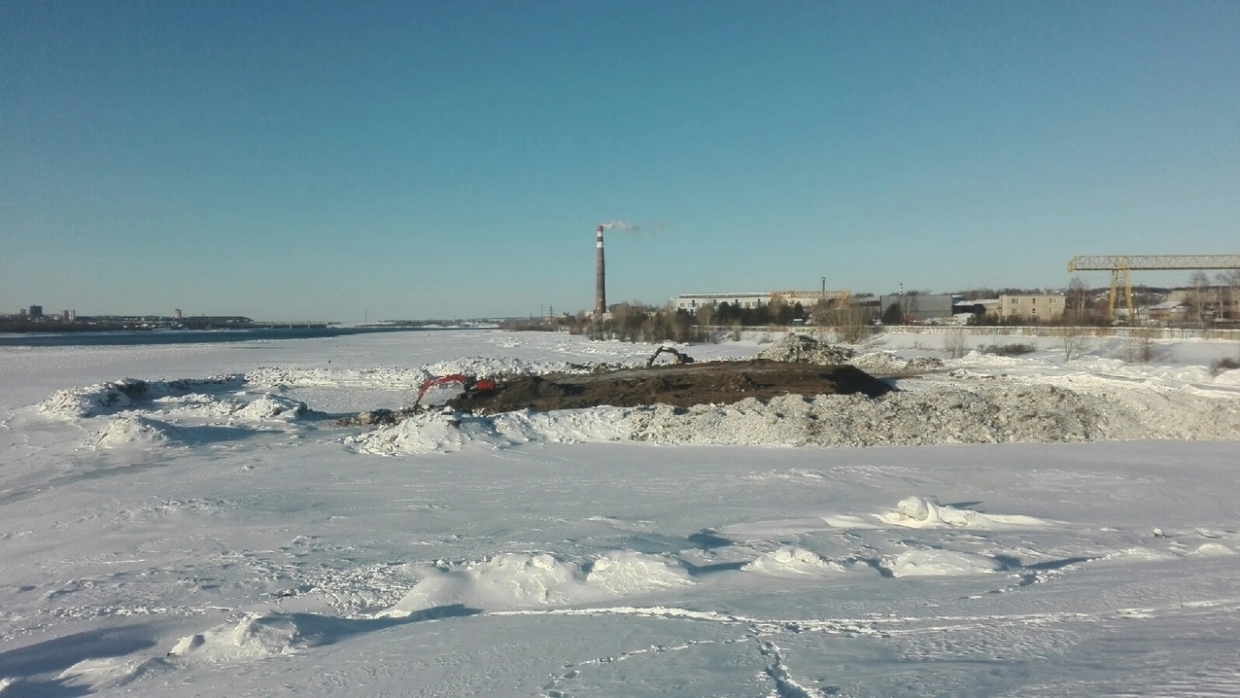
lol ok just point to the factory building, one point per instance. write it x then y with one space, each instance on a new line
921 307
808 299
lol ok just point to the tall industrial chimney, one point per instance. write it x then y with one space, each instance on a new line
600 283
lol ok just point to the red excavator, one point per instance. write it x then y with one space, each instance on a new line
471 385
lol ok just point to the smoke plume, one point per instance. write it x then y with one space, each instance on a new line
621 225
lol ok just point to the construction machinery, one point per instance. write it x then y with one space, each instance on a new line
469 384
1121 265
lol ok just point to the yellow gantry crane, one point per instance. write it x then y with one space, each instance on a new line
1121 265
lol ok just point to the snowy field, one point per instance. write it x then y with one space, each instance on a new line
189 520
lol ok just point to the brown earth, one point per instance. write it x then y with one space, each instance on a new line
679 385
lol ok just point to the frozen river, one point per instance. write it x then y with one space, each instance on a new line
216 533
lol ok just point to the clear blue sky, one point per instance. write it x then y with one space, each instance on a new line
322 160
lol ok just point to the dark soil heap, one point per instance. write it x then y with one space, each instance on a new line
722 382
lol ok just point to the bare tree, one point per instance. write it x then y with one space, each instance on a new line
1200 284
1075 341
850 323
1139 345
953 342
1230 283
1077 297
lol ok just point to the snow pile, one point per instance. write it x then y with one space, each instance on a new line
525 580
994 412
433 432
888 362
799 348
93 675
989 414
94 399
939 563
107 398
422 433
1213 549
131 430
253 637
926 512
412 378
493 367
384 377
792 561
625 572
272 407
195 405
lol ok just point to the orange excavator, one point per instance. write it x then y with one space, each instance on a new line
470 384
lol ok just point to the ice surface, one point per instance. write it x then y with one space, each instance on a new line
190 521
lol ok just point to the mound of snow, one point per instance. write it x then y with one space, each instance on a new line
195 405
522 580
131 430
379 377
107 398
1213 549
926 512
888 362
422 433
799 348
253 637
1231 377
433 432
790 560
626 572
939 563
100 398
273 406
93 675
1000 411
493 367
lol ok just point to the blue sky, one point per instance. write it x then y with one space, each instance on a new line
305 160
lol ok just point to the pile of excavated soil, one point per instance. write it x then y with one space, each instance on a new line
801 349
676 385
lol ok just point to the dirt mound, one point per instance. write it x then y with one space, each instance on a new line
675 385
799 348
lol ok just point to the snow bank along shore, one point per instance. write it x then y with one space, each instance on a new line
976 399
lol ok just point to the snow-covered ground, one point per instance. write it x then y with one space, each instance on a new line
189 520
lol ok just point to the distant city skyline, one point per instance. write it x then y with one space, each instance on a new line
408 160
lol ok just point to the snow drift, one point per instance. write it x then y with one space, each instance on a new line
524 580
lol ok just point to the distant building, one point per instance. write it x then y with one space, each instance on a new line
692 301
808 299
982 307
36 311
177 313
1036 307
1170 311
921 307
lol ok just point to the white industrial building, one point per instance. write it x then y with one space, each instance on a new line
808 299
692 301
